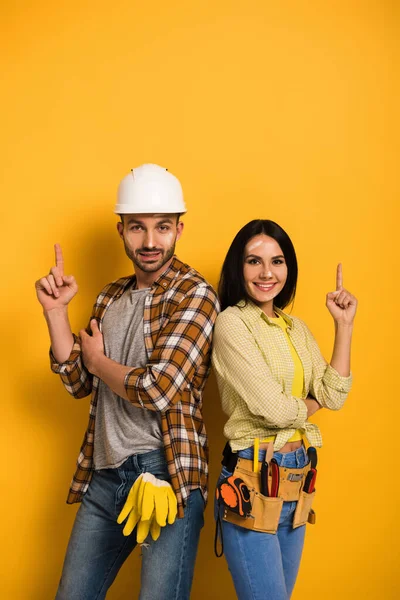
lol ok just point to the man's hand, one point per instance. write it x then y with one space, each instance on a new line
92 347
56 290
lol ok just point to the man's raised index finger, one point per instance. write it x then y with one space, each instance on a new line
59 258
339 277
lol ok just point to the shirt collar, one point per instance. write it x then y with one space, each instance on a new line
253 313
165 279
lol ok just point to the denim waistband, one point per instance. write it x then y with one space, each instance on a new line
147 460
296 459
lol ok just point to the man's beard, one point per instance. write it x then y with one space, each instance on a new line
147 267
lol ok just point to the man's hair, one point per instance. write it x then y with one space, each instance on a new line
231 285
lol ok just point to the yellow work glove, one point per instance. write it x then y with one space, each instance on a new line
151 503
132 507
158 506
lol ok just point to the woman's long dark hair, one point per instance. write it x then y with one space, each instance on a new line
231 287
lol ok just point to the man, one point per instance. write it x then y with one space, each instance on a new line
145 364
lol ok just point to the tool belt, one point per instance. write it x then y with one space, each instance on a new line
254 500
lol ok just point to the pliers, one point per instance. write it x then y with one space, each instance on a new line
309 484
274 468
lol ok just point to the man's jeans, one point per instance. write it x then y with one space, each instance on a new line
97 548
265 565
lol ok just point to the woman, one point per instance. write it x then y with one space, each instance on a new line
271 378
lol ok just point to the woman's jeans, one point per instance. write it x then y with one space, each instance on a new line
97 548
264 566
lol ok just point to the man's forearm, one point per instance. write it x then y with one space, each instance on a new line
60 333
112 374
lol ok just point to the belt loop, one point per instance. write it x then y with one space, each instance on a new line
136 462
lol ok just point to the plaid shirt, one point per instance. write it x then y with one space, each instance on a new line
254 369
179 315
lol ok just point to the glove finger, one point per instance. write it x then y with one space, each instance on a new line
172 506
140 495
149 501
162 506
155 530
142 531
131 522
124 512
131 500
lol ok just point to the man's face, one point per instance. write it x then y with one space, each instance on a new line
150 240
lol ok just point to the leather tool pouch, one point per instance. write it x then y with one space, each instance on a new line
291 482
250 509
265 511
303 512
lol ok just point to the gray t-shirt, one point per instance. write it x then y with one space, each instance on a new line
123 429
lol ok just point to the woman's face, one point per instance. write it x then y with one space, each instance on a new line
265 271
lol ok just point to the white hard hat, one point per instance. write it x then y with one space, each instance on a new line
150 189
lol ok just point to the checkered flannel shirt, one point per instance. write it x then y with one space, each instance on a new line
254 369
179 315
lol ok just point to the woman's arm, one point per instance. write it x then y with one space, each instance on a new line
340 360
343 306
330 383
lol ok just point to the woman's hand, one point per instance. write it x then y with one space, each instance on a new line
312 406
341 304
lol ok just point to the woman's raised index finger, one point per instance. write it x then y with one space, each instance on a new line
339 277
59 258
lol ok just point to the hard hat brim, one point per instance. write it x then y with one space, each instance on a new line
126 209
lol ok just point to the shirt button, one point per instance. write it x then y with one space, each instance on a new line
164 284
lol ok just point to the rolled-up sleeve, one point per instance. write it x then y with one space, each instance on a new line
328 387
241 369
76 378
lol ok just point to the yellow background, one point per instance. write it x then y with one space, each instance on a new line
281 110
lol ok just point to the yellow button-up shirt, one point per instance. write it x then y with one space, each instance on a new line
254 369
